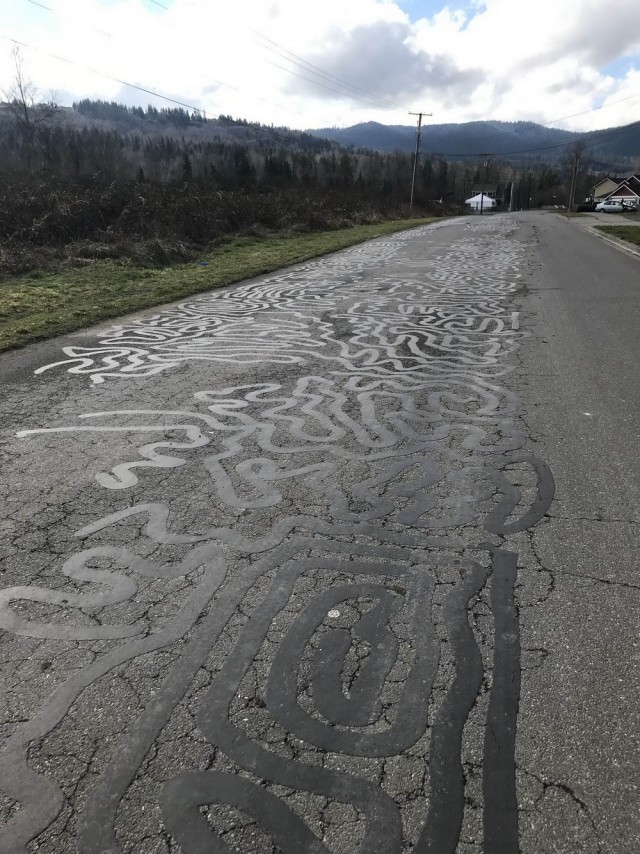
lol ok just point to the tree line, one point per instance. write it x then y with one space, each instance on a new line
110 174
162 154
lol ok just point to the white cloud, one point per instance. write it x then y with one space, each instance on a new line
537 60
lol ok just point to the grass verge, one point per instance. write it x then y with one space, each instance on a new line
628 233
39 305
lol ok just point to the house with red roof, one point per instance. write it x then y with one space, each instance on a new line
603 188
627 192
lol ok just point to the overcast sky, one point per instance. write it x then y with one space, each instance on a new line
339 62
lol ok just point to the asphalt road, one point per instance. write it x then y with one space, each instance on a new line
342 559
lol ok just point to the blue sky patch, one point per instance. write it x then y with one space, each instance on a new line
417 9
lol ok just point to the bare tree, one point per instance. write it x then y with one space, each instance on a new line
30 112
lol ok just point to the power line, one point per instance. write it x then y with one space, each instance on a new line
320 72
325 86
268 131
315 82
54 11
593 109
42 6
219 82
308 66
100 73
323 75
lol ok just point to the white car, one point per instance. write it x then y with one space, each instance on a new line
610 207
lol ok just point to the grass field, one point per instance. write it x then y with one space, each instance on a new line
628 233
40 305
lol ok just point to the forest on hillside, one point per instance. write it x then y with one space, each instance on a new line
106 180
613 149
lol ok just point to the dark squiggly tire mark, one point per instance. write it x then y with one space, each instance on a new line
498 768
446 806
383 827
362 706
496 520
40 797
412 702
407 432
96 824
182 796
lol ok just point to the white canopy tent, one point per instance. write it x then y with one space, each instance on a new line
480 201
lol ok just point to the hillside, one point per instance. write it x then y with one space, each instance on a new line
190 127
159 184
609 148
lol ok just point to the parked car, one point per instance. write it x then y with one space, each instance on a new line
588 206
609 207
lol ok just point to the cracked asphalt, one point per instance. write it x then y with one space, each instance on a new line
341 559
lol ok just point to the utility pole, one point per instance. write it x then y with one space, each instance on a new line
572 192
415 158
484 175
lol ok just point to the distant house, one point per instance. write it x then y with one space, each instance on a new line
490 190
481 203
627 192
603 188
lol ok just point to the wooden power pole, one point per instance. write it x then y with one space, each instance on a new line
415 157
484 175
572 191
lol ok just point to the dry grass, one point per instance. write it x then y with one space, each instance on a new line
82 292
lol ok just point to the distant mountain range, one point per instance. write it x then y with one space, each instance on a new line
613 150
607 149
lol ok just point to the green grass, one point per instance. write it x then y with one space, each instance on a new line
40 304
628 233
